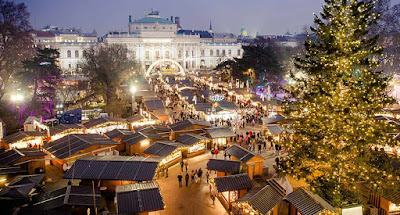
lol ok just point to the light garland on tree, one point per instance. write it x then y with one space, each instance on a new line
335 105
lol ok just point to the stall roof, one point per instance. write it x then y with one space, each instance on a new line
203 107
227 105
223 165
146 94
240 153
13 155
275 129
139 117
27 179
204 93
124 168
309 203
187 83
63 127
138 197
21 135
163 148
273 119
219 132
264 199
118 133
240 91
21 186
154 104
70 195
152 129
5 170
187 123
17 191
73 143
139 136
95 122
190 139
233 182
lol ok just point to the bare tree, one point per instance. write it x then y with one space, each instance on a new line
16 43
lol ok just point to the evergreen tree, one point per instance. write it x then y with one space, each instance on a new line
333 104
43 74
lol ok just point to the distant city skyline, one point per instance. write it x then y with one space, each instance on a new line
263 16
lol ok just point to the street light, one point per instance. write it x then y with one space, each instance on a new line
133 91
17 98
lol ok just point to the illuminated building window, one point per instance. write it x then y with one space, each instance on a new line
193 53
211 52
202 53
147 55
167 54
69 53
157 54
217 53
223 53
76 54
238 52
180 53
229 52
187 53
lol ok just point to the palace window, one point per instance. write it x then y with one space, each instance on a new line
223 53
187 53
76 54
166 54
238 52
229 52
192 53
69 54
217 53
202 53
179 53
147 55
157 54
211 52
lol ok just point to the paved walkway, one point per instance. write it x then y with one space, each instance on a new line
192 200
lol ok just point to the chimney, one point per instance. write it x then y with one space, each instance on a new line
177 20
172 18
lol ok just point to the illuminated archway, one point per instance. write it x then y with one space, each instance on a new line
180 72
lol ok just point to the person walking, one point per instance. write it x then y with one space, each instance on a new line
166 172
259 148
182 165
277 162
186 165
199 174
187 179
229 156
212 198
279 149
276 149
180 180
192 176
208 175
225 155
216 153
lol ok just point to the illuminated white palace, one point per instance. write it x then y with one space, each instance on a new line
158 42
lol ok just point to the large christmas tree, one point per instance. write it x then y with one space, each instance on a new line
333 103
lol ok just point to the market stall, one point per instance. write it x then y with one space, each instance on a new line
219 136
24 139
62 130
252 162
231 188
169 152
194 144
104 125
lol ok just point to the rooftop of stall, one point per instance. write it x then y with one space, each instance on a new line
138 198
93 125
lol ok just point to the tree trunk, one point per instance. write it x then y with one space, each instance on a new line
33 102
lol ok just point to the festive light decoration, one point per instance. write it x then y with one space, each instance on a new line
333 105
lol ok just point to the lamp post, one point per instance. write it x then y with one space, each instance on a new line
133 91
16 99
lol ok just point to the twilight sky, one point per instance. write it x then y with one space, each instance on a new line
264 16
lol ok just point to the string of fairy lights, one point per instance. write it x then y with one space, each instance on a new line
334 106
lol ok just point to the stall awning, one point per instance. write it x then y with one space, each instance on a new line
202 107
139 136
118 133
227 105
273 119
163 149
21 135
240 153
187 123
13 155
63 127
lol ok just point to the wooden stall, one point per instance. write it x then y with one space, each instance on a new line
260 200
63 130
104 125
253 163
188 126
231 188
24 139
66 150
29 159
169 152
219 136
138 142
112 171
194 144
